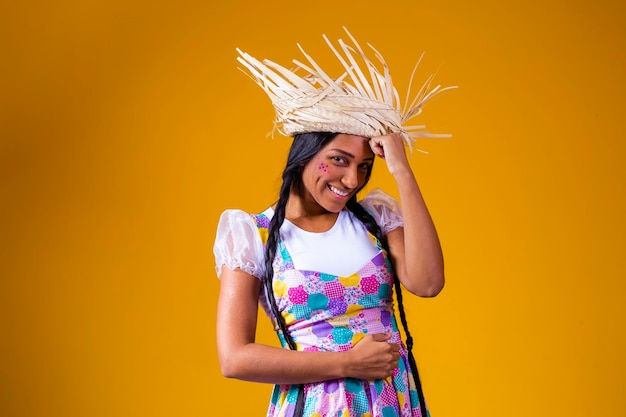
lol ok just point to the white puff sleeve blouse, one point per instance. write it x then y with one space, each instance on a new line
238 243
384 208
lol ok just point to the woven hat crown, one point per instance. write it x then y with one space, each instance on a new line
361 101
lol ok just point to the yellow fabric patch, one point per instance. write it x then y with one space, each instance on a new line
357 338
353 310
264 233
350 281
401 400
289 318
280 288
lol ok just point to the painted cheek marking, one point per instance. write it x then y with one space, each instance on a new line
323 167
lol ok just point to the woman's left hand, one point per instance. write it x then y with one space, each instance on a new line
414 248
391 148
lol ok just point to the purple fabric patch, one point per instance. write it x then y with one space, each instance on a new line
337 306
379 260
331 386
322 329
385 318
263 221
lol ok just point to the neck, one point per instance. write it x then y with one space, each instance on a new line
309 215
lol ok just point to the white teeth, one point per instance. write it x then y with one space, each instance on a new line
337 191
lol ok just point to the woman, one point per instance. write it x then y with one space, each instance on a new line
324 267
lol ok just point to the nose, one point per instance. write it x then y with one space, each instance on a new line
350 178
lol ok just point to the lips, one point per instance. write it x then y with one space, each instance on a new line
338 192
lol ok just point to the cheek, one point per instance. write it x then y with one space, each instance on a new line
323 168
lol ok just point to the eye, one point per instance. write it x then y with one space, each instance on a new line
365 166
339 159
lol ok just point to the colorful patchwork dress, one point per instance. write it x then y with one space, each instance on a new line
326 312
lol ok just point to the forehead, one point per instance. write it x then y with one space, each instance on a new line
358 146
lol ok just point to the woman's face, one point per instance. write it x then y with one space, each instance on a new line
337 172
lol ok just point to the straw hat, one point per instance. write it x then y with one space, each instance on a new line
362 101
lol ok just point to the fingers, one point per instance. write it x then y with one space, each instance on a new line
377 146
386 146
389 358
391 148
389 353
377 142
374 357
381 337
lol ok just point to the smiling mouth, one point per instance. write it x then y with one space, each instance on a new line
337 191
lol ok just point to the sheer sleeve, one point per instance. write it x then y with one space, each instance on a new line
385 209
238 244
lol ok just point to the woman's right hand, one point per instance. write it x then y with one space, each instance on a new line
373 357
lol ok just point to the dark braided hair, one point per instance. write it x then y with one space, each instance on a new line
304 147
373 228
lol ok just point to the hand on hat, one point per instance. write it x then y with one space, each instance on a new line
391 148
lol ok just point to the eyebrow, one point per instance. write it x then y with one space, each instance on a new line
348 154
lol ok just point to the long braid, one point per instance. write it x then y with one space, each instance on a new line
374 229
303 148
270 253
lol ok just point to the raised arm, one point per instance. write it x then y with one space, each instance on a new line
415 248
242 358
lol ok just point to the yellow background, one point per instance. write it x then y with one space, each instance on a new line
126 129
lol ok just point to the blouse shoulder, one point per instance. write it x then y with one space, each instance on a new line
384 208
238 242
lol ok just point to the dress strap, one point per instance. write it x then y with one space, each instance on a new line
262 223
